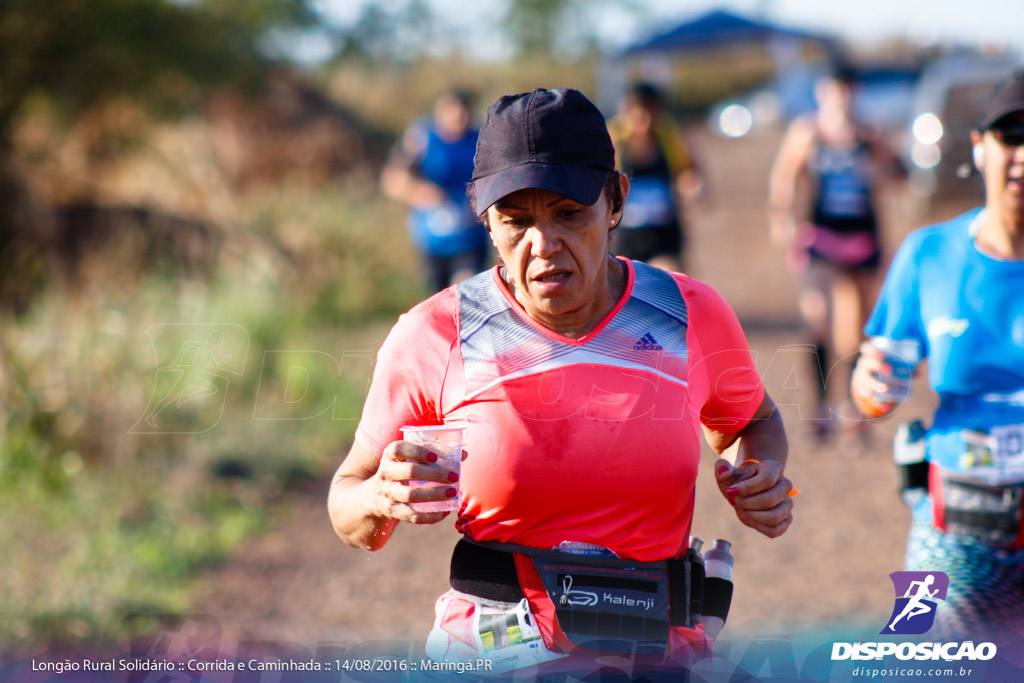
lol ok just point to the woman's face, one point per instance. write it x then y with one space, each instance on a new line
640 118
834 94
1003 168
555 252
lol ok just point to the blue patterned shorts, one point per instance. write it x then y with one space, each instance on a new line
986 584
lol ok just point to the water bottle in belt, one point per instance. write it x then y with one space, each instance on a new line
908 453
717 587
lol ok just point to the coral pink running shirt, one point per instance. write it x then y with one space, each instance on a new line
594 440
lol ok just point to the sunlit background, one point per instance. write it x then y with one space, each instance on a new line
196 265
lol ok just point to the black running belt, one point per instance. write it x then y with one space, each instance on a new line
484 572
489 573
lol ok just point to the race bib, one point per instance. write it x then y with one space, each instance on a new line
650 204
509 638
1000 450
1009 442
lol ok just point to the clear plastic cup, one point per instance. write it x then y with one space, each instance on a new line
902 355
446 441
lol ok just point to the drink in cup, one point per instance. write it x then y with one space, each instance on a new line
445 441
902 355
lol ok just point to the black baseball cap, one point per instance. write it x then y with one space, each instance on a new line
554 140
1007 98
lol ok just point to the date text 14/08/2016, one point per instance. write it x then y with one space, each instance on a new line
406 665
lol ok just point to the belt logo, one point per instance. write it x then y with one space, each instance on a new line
581 598
576 597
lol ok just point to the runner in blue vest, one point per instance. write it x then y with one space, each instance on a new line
429 170
955 293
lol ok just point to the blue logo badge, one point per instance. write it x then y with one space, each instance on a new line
647 343
917 597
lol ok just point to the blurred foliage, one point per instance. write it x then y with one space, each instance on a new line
103 516
82 52
80 59
117 485
536 23
406 31
400 31
372 90
558 27
83 551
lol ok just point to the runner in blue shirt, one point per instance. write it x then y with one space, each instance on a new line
429 170
956 291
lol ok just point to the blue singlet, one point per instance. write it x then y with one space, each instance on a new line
450 228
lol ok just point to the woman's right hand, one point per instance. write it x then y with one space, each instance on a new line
369 496
392 491
792 237
872 378
783 228
423 194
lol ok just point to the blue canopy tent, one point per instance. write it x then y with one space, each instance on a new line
651 57
717 29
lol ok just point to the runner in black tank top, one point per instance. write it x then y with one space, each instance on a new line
833 251
843 213
650 226
650 149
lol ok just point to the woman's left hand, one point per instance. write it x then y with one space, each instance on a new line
760 494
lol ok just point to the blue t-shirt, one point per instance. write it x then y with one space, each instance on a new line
449 228
966 310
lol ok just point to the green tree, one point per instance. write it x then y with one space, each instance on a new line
78 53
547 27
400 31
405 30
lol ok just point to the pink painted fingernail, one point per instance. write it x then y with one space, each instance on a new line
451 493
731 494
431 457
723 469
453 476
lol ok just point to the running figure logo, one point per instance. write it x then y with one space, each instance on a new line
917 597
195 365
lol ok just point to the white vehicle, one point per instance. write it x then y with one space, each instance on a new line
951 94
882 100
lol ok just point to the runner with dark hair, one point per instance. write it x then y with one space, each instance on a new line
586 381
955 292
835 251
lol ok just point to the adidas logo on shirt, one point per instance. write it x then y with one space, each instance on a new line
647 343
